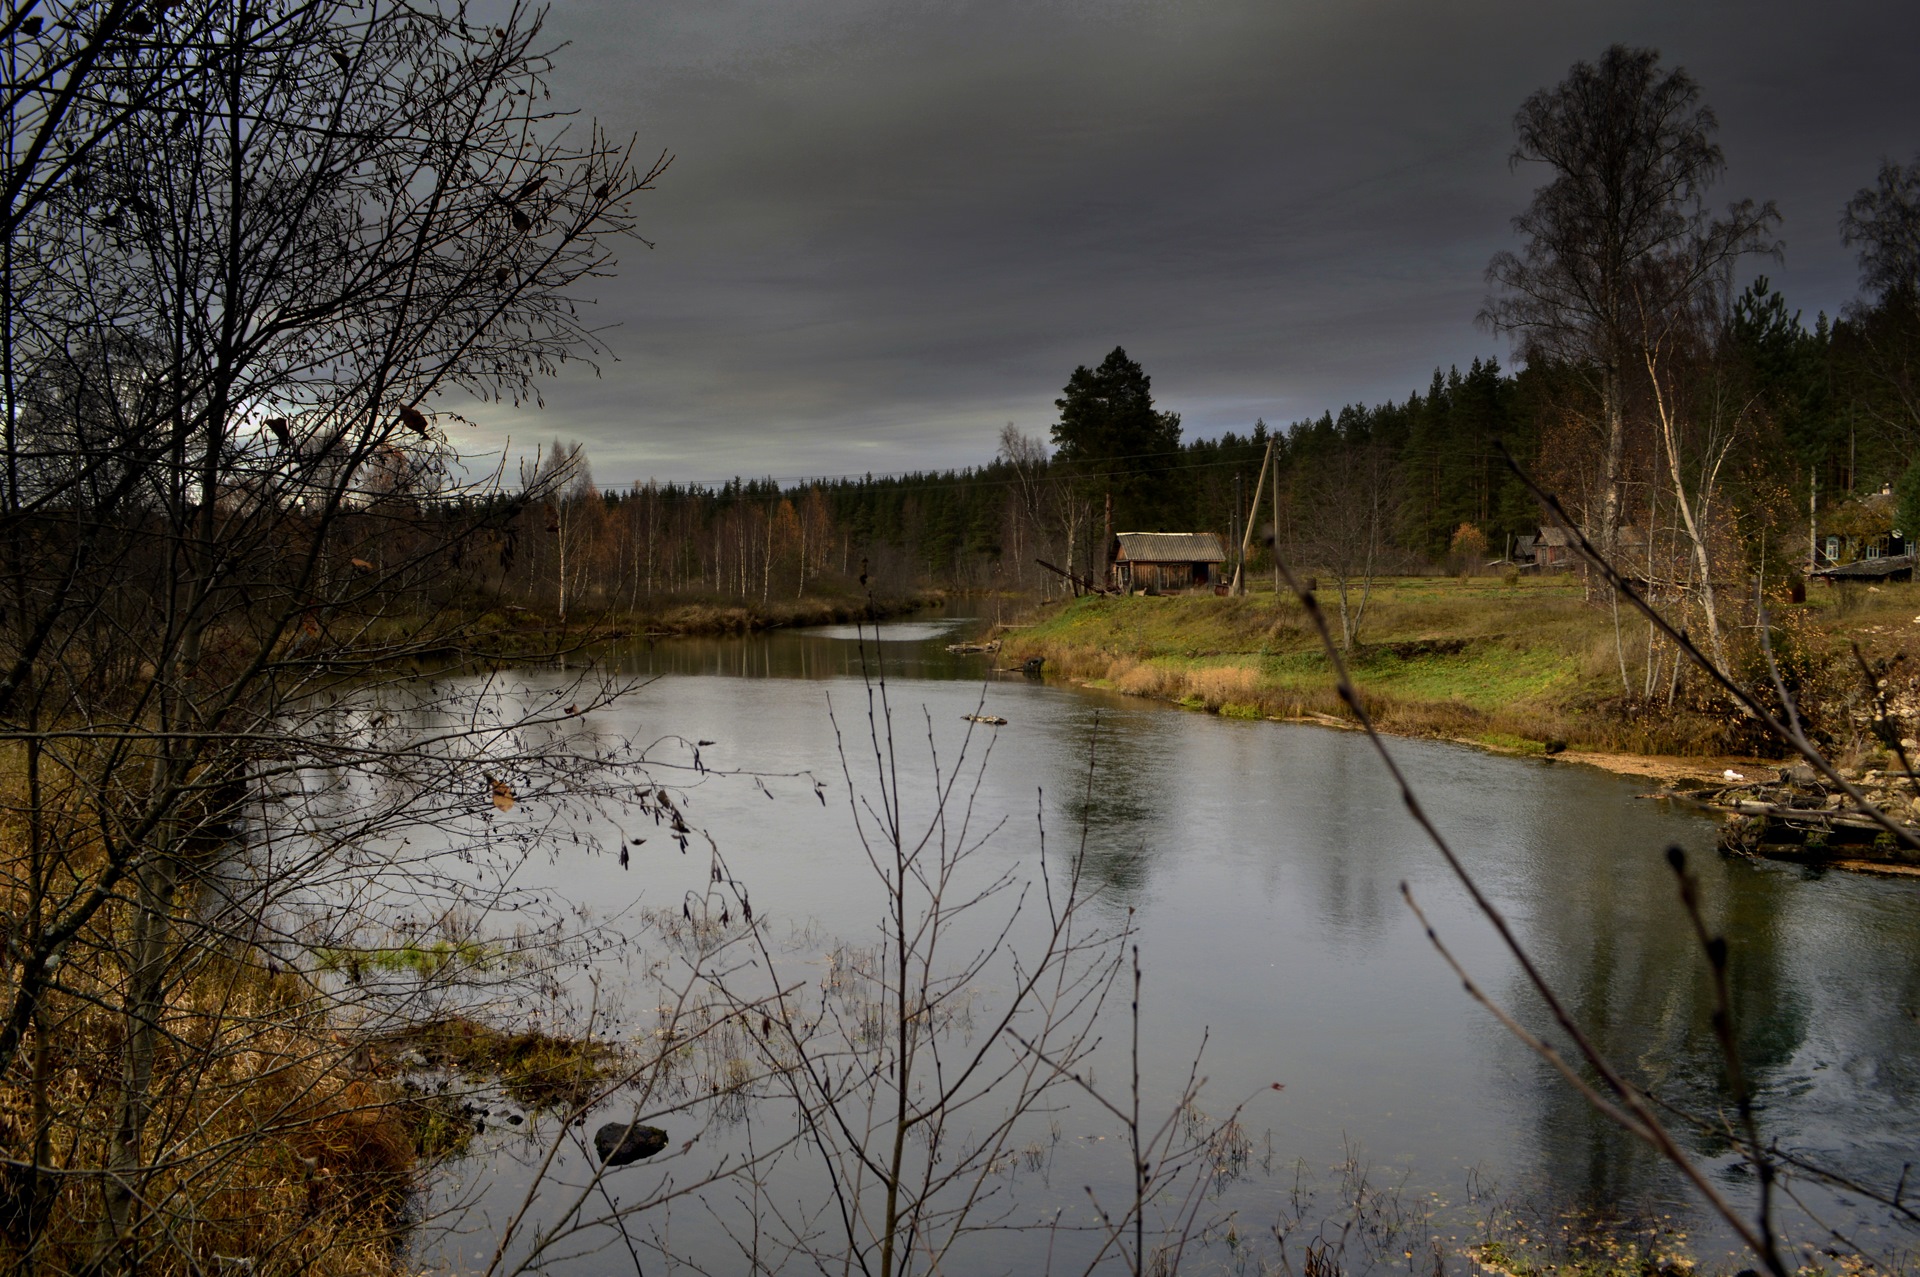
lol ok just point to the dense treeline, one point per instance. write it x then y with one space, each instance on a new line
1825 411
983 527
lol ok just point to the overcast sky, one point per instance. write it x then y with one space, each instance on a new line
891 228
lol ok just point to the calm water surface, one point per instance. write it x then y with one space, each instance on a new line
1262 864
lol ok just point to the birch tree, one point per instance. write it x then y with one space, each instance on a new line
1630 155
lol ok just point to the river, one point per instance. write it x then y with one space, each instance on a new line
1260 866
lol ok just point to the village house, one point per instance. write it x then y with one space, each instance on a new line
1860 530
1168 562
1556 549
1857 540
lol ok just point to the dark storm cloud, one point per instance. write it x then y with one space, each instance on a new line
891 228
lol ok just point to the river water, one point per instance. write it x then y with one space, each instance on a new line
1260 866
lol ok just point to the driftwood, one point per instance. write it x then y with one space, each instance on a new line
1787 821
1812 815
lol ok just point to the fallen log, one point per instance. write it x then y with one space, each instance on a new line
1079 583
1812 815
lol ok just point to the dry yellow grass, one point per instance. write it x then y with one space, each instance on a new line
264 1143
267 1141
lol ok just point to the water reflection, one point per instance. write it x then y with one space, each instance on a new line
893 649
1619 947
1263 865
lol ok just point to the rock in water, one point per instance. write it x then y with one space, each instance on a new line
621 1142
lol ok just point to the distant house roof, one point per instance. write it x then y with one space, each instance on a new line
1171 547
1625 535
1900 565
1867 516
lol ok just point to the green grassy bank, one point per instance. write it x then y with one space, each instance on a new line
1513 665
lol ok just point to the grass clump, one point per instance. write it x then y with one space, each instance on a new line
429 961
537 1069
1508 743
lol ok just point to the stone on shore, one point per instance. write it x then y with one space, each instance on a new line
618 1143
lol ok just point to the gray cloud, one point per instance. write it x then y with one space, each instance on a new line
891 228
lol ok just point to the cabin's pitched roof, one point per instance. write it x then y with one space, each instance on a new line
1867 516
1625 536
1869 569
1171 547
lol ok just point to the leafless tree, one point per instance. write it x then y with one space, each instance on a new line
1347 495
1699 416
561 472
1882 222
910 1119
249 244
1631 152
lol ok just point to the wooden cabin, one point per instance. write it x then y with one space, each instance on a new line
1856 541
1168 562
1556 549
1860 530
1553 549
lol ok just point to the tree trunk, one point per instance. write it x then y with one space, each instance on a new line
1616 447
560 521
1665 412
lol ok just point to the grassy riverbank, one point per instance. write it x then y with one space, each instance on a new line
1526 666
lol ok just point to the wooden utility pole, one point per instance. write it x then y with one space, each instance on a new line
1233 525
1106 551
1246 538
1276 522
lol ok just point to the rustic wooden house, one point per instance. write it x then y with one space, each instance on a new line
1557 548
1553 549
1860 530
1168 562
